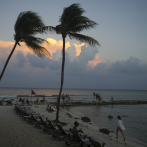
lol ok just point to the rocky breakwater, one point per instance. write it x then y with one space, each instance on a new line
118 102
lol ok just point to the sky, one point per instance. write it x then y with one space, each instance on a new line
119 63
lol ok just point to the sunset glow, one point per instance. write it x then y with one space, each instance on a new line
94 62
78 48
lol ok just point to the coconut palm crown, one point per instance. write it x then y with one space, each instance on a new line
27 25
71 23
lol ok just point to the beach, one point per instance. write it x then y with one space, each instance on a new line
15 132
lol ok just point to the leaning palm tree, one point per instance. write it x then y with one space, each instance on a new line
72 22
27 25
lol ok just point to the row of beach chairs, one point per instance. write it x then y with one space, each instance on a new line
55 129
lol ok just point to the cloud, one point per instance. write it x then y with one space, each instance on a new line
25 69
37 62
78 47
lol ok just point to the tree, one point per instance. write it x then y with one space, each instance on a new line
27 25
72 22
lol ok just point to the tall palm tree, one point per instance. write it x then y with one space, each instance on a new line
27 25
72 22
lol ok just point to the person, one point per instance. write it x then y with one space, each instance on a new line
50 109
47 108
43 98
76 124
120 127
94 96
20 100
38 101
111 99
63 97
67 96
23 101
27 101
80 131
97 96
3 100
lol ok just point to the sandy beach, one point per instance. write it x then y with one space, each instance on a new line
15 132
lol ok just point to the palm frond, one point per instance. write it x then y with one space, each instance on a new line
34 44
80 24
71 12
91 41
29 23
51 29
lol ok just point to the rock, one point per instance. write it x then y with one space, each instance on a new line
125 116
85 119
110 116
105 130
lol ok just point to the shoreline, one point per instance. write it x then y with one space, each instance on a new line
91 130
15 131
130 140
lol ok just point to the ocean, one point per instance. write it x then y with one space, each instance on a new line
135 120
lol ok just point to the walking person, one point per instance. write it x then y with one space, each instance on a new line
120 127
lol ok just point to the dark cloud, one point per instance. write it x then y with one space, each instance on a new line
21 59
38 62
31 71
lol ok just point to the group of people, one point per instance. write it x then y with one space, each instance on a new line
43 100
65 97
49 109
24 101
97 96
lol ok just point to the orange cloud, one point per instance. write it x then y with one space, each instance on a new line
94 62
78 48
6 48
55 45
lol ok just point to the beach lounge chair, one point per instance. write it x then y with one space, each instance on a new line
9 102
42 123
1 102
61 134
52 127
96 143
32 118
76 139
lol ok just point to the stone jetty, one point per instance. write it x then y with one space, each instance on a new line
118 102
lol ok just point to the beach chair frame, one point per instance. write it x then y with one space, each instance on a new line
96 143
77 139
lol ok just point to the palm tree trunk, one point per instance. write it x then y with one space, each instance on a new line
8 60
62 79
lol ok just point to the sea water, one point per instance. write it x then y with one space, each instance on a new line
134 120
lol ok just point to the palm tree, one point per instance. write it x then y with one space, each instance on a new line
72 22
27 25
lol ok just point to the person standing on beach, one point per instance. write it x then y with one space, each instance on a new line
120 127
111 99
97 96
23 101
94 96
3 101
63 97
